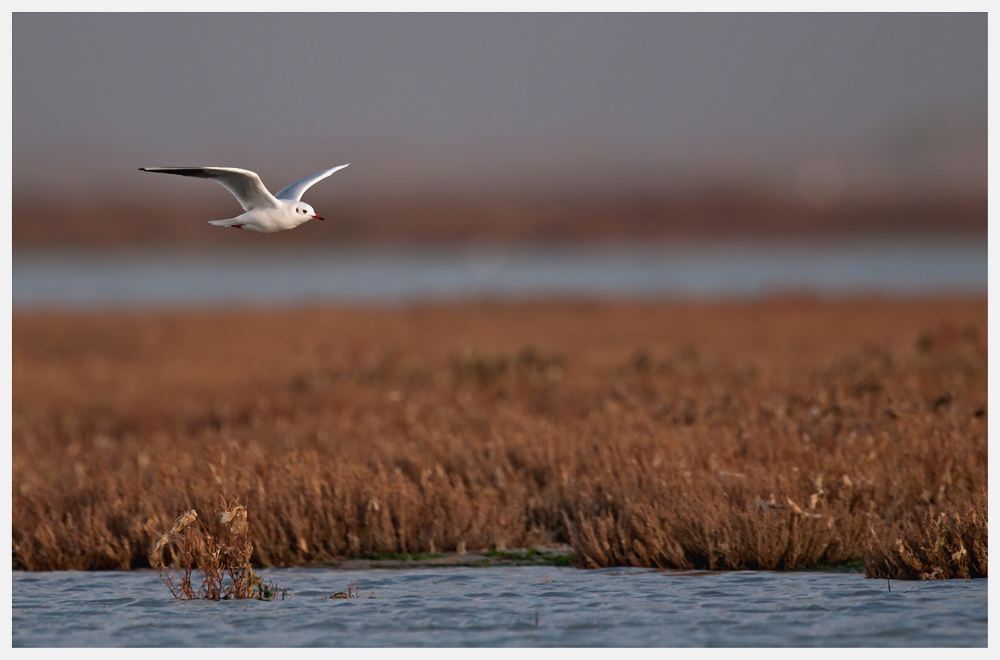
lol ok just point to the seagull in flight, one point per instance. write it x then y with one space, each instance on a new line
263 212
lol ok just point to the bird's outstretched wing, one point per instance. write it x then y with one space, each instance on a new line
244 184
293 191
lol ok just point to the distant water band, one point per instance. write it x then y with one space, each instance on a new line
371 275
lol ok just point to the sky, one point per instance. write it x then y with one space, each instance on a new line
481 101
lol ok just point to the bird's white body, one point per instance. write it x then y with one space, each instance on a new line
263 212
270 220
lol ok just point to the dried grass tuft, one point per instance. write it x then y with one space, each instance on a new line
352 592
944 545
220 558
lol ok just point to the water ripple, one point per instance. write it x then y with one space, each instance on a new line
509 606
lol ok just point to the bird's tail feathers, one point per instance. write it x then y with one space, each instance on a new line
224 223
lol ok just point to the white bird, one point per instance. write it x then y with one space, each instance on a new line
263 211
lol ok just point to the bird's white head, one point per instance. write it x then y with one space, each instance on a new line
305 212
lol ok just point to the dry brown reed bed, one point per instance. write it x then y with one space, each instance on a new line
780 434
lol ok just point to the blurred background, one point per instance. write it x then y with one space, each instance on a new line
500 155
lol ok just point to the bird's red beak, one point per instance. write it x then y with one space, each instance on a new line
317 217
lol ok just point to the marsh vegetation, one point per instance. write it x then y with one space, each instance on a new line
779 434
218 556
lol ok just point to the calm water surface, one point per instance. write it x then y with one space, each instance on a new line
498 607
698 270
